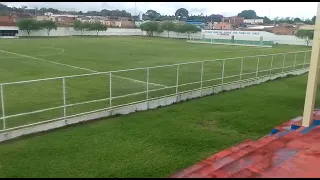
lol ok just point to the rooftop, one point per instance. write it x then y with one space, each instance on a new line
260 27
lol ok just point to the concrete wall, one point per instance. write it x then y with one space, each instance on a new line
71 32
9 28
176 35
254 35
218 34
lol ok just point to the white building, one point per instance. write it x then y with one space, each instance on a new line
9 31
65 15
307 27
48 14
253 21
46 18
259 27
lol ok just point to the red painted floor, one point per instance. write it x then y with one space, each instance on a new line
291 151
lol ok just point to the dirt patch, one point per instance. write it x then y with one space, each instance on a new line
207 124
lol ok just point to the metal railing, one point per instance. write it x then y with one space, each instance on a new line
23 102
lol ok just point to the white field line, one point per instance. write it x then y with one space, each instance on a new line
43 55
138 81
248 50
76 67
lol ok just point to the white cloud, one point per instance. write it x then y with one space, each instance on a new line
272 9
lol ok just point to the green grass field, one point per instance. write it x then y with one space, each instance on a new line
158 142
28 59
154 143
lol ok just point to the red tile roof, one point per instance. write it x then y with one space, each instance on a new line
7 21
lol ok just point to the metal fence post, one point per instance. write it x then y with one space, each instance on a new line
271 64
241 68
2 105
295 60
304 59
201 78
177 83
148 71
284 59
110 89
222 73
257 71
64 97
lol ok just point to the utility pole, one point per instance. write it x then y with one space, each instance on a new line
211 23
135 9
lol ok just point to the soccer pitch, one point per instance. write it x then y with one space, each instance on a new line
42 58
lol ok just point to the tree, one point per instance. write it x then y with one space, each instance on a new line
150 27
180 28
187 28
168 26
29 25
97 26
214 18
159 28
77 25
313 20
307 35
289 20
266 20
152 14
66 29
297 20
248 14
182 13
81 26
48 26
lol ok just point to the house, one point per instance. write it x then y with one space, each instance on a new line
8 26
48 14
46 18
128 24
84 19
8 31
223 26
235 20
113 23
8 20
306 27
257 28
210 25
253 21
65 21
284 29
92 19
65 15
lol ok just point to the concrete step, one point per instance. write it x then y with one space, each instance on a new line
255 159
209 160
242 157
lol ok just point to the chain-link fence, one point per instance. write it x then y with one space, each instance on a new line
27 103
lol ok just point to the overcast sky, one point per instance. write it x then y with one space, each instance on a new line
270 9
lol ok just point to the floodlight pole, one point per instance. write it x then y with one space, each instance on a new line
313 74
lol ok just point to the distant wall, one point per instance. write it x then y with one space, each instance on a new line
218 34
71 32
254 35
